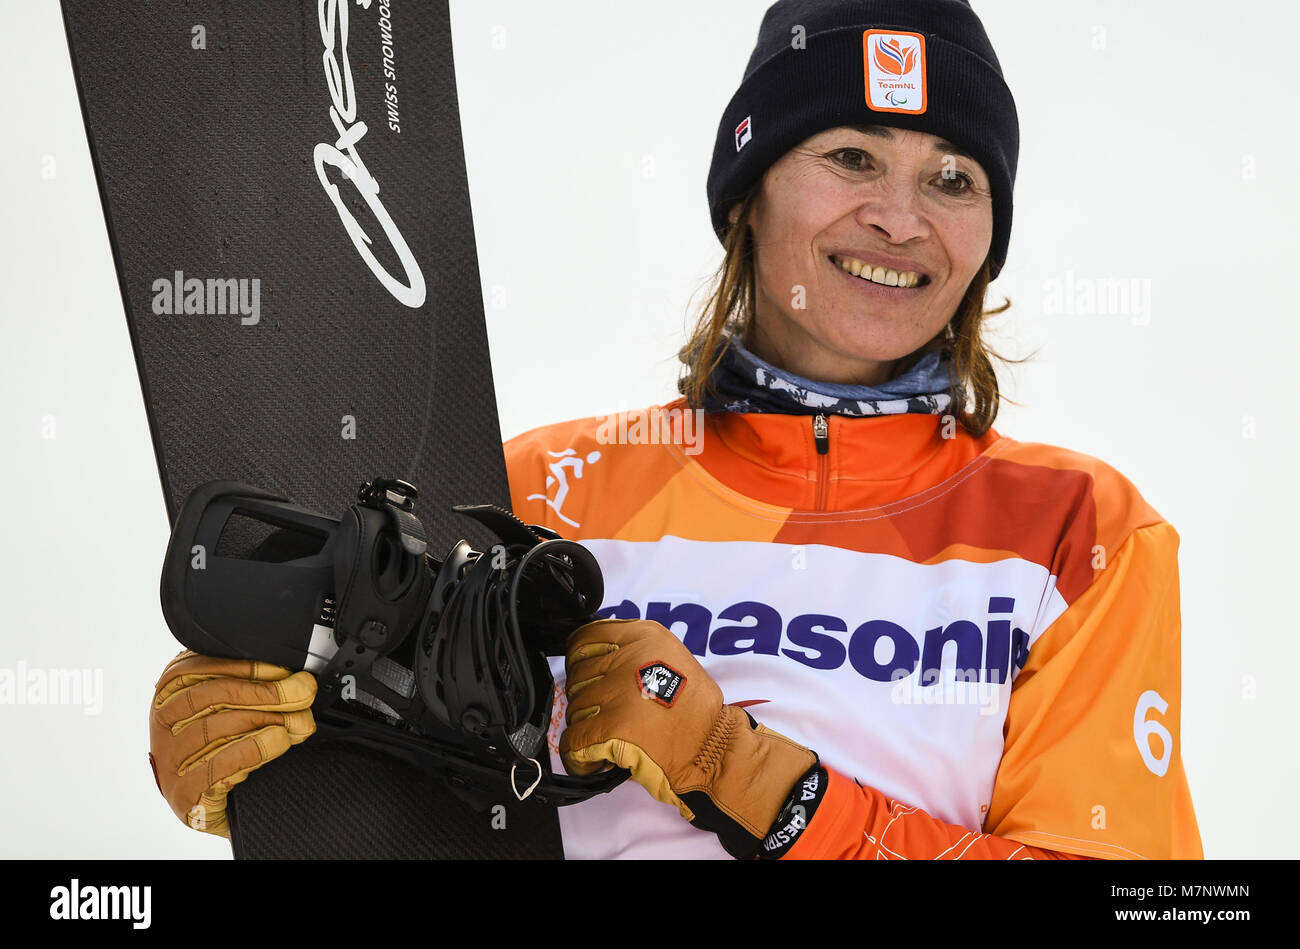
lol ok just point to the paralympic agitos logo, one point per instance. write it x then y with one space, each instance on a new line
823 641
343 111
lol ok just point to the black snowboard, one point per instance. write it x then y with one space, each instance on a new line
293 238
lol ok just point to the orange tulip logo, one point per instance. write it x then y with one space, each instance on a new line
893 58
894 71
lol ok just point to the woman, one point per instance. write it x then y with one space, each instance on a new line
844 616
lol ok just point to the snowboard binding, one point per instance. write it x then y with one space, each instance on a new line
440 662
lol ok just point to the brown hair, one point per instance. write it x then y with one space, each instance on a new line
730 309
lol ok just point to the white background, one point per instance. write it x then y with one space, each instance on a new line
1158 141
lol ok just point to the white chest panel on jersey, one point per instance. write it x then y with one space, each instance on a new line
829 647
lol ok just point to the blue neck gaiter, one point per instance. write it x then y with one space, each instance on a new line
750 384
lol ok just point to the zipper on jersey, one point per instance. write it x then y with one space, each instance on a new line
822 439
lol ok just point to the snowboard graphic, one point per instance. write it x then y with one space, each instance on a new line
285 193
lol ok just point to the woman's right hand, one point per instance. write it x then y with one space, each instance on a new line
215 720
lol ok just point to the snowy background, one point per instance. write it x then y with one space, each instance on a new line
1156 137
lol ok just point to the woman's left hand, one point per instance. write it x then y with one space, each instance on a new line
638 699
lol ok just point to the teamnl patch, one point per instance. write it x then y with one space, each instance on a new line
894 70
659 682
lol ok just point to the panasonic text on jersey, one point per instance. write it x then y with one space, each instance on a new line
990 653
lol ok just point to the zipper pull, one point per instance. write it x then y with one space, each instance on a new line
821 433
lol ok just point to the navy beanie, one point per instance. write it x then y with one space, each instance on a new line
922 65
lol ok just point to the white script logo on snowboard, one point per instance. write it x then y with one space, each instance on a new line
343 111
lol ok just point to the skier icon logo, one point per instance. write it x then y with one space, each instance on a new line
559 479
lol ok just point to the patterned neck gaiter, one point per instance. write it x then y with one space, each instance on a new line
749 384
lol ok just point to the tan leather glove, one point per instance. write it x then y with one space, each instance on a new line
215 720
640 700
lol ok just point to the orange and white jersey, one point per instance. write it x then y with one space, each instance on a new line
980 630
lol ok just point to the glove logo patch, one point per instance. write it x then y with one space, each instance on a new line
660 683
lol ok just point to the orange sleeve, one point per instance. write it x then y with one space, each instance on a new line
1091 764
1092 759
853 822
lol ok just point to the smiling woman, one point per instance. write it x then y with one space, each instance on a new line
858 252
829 208
849 619
959 645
